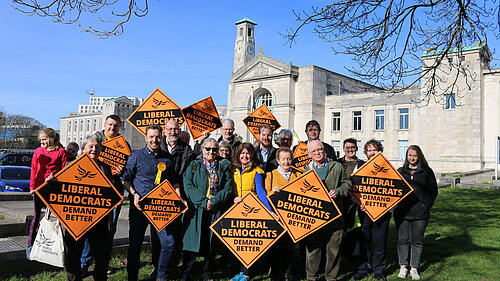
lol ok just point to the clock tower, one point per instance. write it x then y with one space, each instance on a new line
244 47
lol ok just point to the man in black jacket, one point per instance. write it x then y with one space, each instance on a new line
313 131
265 151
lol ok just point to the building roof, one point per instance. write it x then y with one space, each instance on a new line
434 51
245 19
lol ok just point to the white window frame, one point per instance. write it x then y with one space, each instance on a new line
404 118
336 121
359 122
379 119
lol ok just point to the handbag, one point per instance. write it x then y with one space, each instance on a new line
49 245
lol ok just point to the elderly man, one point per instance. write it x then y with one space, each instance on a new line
266 153
227 134
313 131
145 169
336 181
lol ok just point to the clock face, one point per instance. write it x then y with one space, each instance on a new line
250 49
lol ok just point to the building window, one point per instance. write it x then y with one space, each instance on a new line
265 98
449 101
336 121
69 126
81 125
88 125
379 119
249 32
404 118
402 147
336 147
462 58
450 60
95 125
356 116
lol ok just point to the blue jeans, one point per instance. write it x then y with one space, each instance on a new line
85 259
138 225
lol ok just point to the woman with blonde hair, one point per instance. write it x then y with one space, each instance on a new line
48 159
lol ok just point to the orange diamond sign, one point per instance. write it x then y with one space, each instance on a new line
162 205
248 229
301 156
157 109
259 117
115 153
304 206
379 186
202 116
80 195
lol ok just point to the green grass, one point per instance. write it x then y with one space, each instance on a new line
2 217
461 243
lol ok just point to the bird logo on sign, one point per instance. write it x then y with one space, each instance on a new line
84 174
249 210
308 187
157 103
117 145
206 106
379 169
164 192
263 113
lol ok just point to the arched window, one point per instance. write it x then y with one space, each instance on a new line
265 98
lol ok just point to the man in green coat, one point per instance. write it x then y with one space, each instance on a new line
207 184
336 181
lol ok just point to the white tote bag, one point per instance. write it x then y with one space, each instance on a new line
49 245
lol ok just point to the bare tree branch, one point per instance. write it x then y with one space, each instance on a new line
386 39
112 14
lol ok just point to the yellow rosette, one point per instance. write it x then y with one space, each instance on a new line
161 167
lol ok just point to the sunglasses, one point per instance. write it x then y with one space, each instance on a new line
208 149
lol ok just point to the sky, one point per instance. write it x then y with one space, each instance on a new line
184 48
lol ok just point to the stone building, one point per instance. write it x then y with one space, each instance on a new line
90 118
456 134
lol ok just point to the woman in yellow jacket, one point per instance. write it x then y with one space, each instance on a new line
248 177
282 251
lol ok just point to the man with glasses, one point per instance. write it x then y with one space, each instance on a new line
227 134
336 181
313 131
285 138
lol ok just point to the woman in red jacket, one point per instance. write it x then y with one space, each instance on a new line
47 160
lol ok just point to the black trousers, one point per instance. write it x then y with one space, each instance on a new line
281 255
410 236
98 238
373 243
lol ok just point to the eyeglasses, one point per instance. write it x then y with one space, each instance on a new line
227 129
173 129
208 149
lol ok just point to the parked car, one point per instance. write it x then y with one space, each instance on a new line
14 178
16 159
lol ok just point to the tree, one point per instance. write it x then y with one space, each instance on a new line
112 14
19 131
387 39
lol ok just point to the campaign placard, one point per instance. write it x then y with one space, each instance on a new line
162 205
301 156
115 152
379 186
80 195
157 109
304 206
202 116
259 117
248 229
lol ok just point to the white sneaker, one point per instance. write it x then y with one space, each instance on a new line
403 271
414 274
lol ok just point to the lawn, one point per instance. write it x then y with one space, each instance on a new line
461 243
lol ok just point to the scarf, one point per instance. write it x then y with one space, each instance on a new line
213 178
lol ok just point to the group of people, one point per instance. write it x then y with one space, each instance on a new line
216 174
